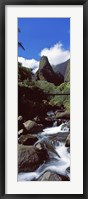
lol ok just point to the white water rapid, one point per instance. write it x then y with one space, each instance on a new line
56 164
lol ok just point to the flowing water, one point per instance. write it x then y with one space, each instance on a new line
59 161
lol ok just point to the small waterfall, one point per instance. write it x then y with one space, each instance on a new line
55 164
57 129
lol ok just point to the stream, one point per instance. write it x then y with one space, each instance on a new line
59 159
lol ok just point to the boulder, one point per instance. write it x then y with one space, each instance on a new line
63 115
68 169
59 137
27 139
64 127
37 119
67 143
68 124
32 127
30 158
42 119
59 122
20 132
68 149
20 118
54 177
54 140
49 147
65 178
50 176
39 146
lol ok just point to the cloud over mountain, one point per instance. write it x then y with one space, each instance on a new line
56 54
29 63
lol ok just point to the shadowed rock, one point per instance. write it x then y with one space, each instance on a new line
46 72
27 139
52 176
30 158
32 127
67 143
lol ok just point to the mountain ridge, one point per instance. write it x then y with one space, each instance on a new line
46 72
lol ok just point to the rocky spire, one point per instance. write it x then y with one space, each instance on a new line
46 72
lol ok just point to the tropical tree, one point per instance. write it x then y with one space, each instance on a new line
19 43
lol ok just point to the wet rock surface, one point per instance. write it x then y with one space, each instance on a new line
32 127
68 169
67 143
50 176
36 149
20 132
30 158
27 139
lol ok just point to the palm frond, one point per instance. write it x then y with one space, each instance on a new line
20 45
19 30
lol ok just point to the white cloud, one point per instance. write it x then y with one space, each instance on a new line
56 54
29 63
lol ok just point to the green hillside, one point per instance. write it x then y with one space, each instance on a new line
67 73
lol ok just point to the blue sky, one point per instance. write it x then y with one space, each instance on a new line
38 34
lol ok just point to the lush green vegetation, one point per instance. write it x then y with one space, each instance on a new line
46 86
51 88
33 91
24 74
59 100
64 87
67 73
